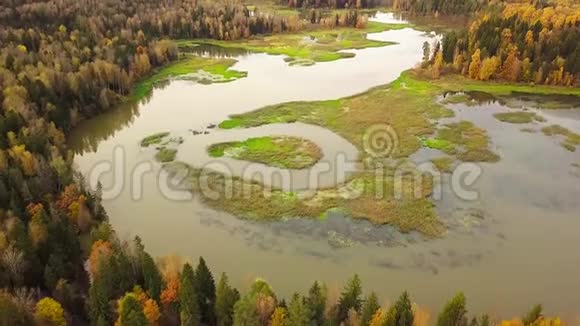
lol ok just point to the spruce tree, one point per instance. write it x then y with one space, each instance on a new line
298 314
206 292
403 312
369 308
153 282
226 298
454 312
350 298
101 293
316 302
188 298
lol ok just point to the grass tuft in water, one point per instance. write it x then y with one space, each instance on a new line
519 117
154 139
165 155
571 139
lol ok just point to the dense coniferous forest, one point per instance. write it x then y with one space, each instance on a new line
519 42
445 7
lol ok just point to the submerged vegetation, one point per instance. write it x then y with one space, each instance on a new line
154 139
280 151
571 139
519 117
165 155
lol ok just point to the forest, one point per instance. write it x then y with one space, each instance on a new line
518 42
63 61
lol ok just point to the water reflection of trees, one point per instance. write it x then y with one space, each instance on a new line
210 50
90 133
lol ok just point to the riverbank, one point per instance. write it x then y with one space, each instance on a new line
309 46
189 66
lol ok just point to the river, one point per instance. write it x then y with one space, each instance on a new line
512 248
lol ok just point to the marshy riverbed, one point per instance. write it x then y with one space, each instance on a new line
514 240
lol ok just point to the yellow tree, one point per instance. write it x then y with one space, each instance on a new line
278 317
511 66
475 65
99 249
50 311
437 65
489 67
151 311
378 318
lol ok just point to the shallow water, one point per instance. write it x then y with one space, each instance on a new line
509 249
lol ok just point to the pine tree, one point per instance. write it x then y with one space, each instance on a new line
226 298
370 307
188 298
206 292
454 312
350 298
316 302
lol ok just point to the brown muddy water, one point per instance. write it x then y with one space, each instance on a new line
512 247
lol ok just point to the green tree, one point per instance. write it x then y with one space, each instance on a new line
316 302
298 314
188 298
369 308
206 292
401 313
245 310
226 298
153 282
454 313
534 314
101 292
350 298
131 312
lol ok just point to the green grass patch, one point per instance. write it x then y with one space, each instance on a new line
440 144
519 117
571 139
282 152
469 143
307 47
190 65
154 139
165 155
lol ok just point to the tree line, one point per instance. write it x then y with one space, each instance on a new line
518 42
129 288
336 4
444 7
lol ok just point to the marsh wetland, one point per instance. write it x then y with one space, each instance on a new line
506 243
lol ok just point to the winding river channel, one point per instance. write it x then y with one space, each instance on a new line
513 247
